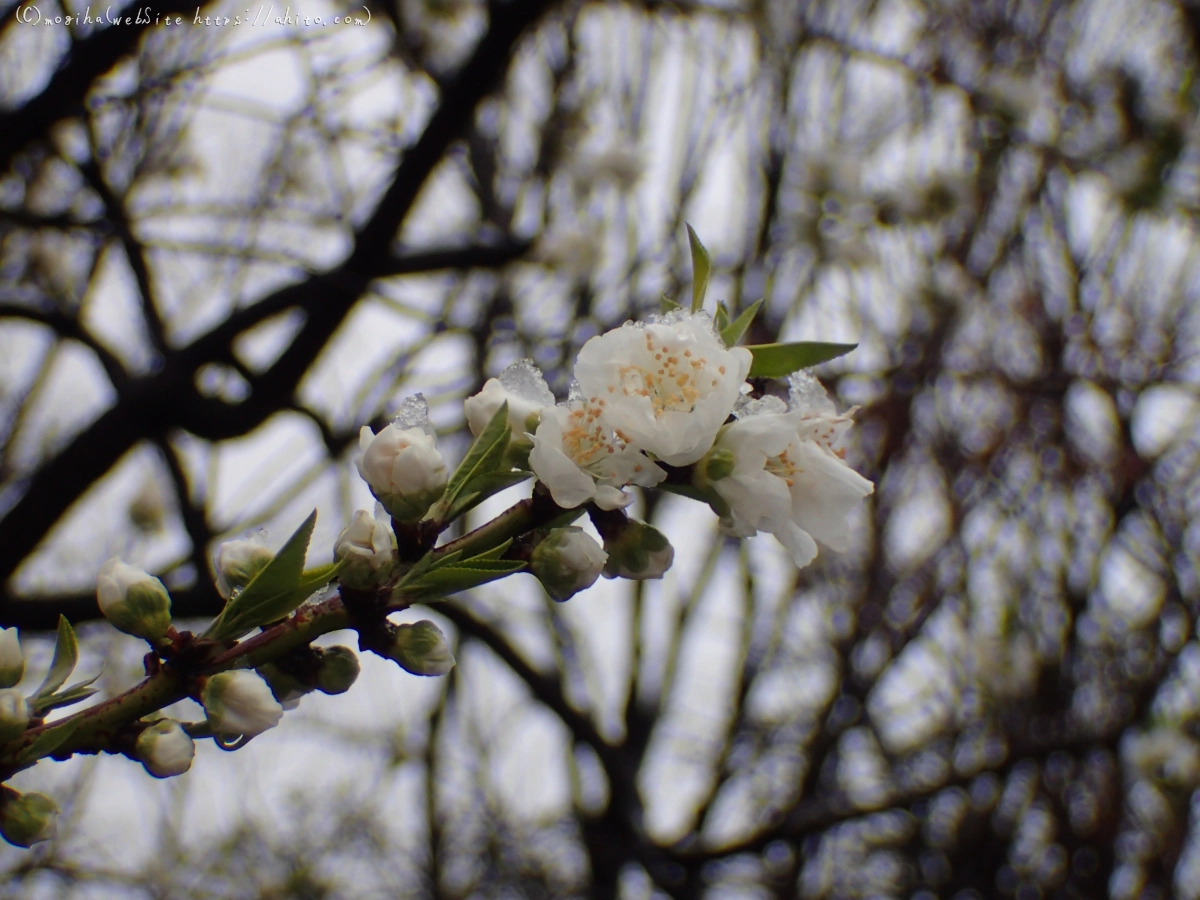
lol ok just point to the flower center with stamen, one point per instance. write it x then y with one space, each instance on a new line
783 466
585 439
672 381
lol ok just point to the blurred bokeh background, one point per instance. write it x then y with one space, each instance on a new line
223 248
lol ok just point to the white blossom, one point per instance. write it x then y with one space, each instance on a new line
12 660
666 387
577 456
788 479
368 546
165 749
240 702
567 561
403 468
525 390
134 601
239 560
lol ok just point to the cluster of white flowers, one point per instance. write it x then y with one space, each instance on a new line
662 393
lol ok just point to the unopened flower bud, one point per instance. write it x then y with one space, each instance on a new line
422 649
12 660
567 561
368 546
148 510
524 388
403 468
26 819
238 561
14 714
240 702
637 551
134 601
165 749
339 670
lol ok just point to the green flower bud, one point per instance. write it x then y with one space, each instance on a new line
133 601
14 714
421 649
165 749
238 561
339 670
12 660
567 561
26 819
637 551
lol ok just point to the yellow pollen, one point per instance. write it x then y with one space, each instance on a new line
721 369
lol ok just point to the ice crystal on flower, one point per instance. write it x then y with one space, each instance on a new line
746 406
807 395
525 380
413 413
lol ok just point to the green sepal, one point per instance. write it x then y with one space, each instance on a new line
48 741
779 360
483 459
276 591
712 498
701 266
66 655
667 305
732 333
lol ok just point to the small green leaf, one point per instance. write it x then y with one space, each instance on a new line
484 458
778 360
66 655
732 333
277 590
49 741
39 704
701 265
73 694
451 579
481 488
666 304
721 319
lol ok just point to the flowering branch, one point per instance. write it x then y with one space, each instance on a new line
659 404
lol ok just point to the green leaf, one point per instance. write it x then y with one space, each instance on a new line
277 590
73 694
40 704
778 360
66 655
49 741
701 265
451 579
732 333
721 319
481 488
666 304
484 458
